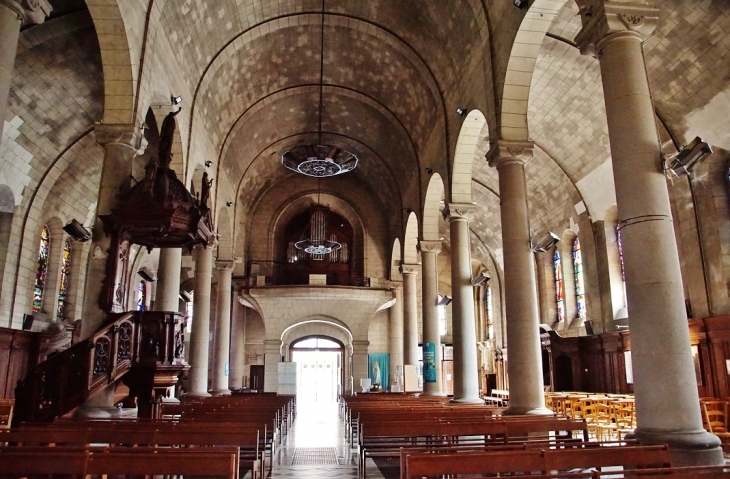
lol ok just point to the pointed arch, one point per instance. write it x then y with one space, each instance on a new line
432 207
410 241
474 127
395 261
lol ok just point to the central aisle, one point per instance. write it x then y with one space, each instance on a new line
316 447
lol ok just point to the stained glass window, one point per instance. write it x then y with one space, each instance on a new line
140 296
41 270
63 287
580 297
620 254
490 325
559 291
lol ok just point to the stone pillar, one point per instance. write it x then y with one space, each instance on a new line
396 335
466 372
14 14
168 280
526 393
238 344
272 358
429 296
223 329
667 403
200 334
121 144
360 362
410 314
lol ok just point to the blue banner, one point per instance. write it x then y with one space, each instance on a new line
429 362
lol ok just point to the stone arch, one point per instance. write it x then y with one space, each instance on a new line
225 234
395 261
520 67
119 72
431 207
466 146
410 241
320 324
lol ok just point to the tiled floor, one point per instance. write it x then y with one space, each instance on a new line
316 447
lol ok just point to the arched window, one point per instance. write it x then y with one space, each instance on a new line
140 296
189 312
580 297
559 291
41 270
621 255
488 300
63 287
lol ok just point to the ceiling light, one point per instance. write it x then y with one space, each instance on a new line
229 203
443 300
480 279
682 163
176 100
77 231
208 163
316 238
546 241
520 3
319 160
462 111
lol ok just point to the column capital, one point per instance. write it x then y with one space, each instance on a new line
608 20
430 246
120 135
224 265
406 268
459 211
360 343
29 12
503 152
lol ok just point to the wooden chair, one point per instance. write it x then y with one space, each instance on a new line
715 417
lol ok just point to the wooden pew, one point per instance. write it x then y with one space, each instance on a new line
25 461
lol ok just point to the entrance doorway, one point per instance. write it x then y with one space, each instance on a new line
319 369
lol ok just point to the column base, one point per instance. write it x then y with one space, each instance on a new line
220 392
698 448
527 411
196 395
433 394
468 400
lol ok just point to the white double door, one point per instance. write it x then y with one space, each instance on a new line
318 374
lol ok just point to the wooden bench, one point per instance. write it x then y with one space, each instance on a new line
25 461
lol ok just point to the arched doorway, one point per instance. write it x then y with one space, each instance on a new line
319 368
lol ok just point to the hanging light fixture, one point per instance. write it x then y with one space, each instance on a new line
314 240
319 160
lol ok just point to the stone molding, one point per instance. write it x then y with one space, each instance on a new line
409 268
430 246
29 12
121 135
605 21
224 265
459 211
505 152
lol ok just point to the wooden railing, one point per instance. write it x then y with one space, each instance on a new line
66 380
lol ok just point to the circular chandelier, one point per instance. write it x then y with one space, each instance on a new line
319 160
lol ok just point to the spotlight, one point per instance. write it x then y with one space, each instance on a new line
443 300
229 203
77 231
176 100
208 163
547 241
185 296
688 157
146 274
520 3
429 170
480 279
462 111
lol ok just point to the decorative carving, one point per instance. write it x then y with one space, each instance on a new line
224 265
29 12
459 211
504 152
124 342
430 246
167 137
409 268
102 347
604 20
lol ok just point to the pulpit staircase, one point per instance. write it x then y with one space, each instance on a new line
141 347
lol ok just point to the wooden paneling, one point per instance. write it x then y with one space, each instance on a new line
18 353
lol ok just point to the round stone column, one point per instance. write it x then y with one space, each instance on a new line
223 329
410 314
431 324
168 280
667 401
526 393
14 14
238 344
200 334
466 372
396 336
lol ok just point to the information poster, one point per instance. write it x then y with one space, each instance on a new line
429 362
